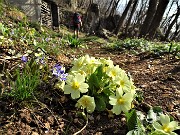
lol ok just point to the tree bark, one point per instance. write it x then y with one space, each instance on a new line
150 14
123 17
110 6
139 15
167 14
176 32
157 17
131 15
172 24
115 4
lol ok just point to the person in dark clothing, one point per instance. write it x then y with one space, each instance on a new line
77 23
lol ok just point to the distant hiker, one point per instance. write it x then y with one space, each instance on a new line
77 23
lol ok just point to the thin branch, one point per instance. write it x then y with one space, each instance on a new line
82 128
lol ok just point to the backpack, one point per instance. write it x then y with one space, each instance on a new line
76 18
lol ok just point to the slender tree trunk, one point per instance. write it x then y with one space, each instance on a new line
115 4
150 14
140 13
172 24
167 23
123 17
131 15
167 14
176 32
157 17
110 6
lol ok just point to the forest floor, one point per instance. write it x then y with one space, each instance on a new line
54 113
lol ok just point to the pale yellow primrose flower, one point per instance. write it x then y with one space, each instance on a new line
78 63
123 81
86 102
107 62
132 87
121 102
113 72
85 70
75 85
81 71
166 126
89 69
91 60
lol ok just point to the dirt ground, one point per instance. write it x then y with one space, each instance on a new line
54 114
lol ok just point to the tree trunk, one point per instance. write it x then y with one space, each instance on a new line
176 32
172 23
115 4
139 15
123 17
131 15
150 14
167 23
157 17
167 14
110 6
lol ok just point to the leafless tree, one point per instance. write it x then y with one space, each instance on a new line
140 14
131 15
123 17
167 14
177 30
149 17
157 17
172 23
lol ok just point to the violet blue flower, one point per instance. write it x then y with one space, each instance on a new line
59 72
64 76
24 58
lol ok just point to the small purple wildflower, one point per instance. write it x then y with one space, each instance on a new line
42 60
57 66
64 76
24 58
59 72
47 39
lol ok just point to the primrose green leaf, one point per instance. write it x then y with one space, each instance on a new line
108 92
131 119
157 109
99 72
100 104
93 81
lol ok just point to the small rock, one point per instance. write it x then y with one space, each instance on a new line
123 119
34 133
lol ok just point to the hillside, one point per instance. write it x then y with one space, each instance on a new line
32 100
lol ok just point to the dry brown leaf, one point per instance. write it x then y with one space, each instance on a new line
63 59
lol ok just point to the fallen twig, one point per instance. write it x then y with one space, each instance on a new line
82 128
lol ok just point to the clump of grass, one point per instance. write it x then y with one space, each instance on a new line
74 42
26 82
90 38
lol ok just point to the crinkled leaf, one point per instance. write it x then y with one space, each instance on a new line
93 82
100 104
131 119
157 109
99 72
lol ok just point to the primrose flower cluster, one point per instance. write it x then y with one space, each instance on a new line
97 82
